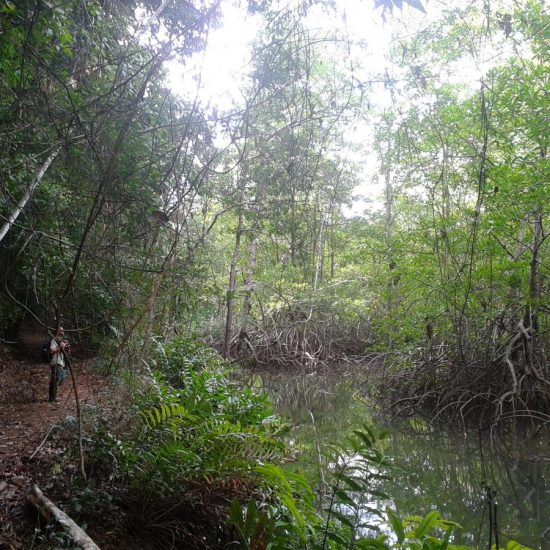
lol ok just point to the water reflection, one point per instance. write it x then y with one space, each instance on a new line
448 471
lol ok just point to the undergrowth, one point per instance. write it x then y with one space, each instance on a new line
201 468
195 440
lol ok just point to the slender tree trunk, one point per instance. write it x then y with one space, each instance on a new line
151 304
249 278
78 414
28 193
534 283
252 255
320 254
109 173
243 338
388 206
293 240
231 289
317 272
389 198
150 314
531 317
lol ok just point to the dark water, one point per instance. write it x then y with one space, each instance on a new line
448 471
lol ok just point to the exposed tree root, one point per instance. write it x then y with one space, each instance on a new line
485 387
294 339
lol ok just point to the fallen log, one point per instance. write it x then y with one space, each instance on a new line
48 509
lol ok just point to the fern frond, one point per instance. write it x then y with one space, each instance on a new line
156 416
275 475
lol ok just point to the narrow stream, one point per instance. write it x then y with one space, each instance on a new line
448 471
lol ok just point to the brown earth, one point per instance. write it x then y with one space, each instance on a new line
39 445
27 420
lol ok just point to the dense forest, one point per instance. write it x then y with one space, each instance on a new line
178 239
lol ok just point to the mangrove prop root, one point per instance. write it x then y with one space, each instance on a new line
491 386
292 341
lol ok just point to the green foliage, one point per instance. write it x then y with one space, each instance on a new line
254 526
287 518
284 519
285 486
54 537
206 426
388 5
357 472
158 415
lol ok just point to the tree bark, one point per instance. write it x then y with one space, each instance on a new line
47 508
28 193
249 278
230 300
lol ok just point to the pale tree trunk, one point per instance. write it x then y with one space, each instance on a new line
293 240
531 321
252 256
231 289
249 278
330 242
446 211
535 284
388 206
28 193
332 252
318 258
389 200
243 338
319 254
149 314
49 509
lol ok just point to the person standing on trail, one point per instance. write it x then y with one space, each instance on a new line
58 346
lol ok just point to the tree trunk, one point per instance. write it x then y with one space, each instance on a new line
151 304
109 172
531 317
249 278
230 300
28 193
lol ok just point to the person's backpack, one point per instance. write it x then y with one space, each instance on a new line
45 351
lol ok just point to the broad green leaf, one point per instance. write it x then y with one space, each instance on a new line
446 538
352 483
344 497
342 518
337 538
513 545
397 524
368 544
426 524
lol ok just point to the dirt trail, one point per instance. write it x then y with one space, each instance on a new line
26 417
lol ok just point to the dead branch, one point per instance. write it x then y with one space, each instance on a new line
54 426
48 509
